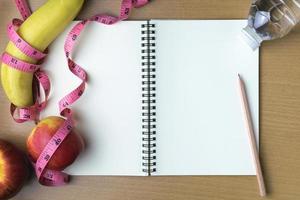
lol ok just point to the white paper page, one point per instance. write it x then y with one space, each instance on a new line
109 112
200 127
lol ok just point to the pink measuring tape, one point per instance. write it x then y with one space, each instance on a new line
30 113
45 176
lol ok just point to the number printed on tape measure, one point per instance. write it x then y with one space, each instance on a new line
21 44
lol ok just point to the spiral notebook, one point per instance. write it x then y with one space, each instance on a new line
161 97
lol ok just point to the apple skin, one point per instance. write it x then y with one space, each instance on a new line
66 153
14 170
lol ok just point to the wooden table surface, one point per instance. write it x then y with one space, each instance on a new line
279 118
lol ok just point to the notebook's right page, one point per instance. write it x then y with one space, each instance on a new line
200 127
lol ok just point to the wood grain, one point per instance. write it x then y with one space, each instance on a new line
279 118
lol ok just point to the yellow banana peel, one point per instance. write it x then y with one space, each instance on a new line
39 30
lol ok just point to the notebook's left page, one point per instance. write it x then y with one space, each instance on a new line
109 112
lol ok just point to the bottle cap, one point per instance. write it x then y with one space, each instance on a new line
250 36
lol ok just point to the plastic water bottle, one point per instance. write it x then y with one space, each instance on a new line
270 19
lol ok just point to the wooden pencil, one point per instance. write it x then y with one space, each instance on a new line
252 140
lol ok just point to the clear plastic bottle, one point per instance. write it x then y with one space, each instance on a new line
270 19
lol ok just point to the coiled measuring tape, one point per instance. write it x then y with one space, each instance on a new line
46 176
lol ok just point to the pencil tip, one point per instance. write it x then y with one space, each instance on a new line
239 75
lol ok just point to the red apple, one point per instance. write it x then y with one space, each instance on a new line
66 153
14 170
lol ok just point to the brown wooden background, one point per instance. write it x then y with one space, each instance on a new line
279 114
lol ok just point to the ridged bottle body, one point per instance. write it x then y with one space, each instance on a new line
271 19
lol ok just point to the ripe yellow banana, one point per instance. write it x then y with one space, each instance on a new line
39 30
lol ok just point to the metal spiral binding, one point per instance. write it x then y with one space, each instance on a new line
148 98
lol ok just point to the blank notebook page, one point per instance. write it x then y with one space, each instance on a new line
200 127
109 112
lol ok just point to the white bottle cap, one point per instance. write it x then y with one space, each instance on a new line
250 36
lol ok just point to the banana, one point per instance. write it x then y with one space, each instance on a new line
39 30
